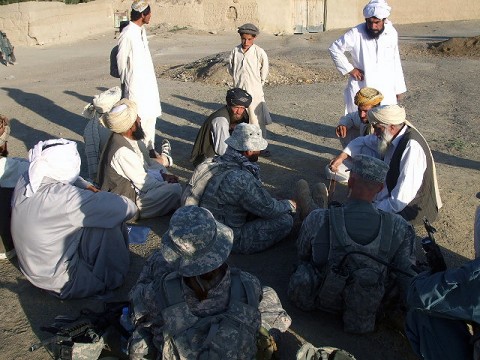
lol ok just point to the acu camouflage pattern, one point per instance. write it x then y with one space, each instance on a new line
230 334
147 340
370 168
309 352
194 242
247 137
358 287
239 201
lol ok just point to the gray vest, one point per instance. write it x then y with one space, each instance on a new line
108 179
352 282
424 204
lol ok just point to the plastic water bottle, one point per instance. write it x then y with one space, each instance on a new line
125 320
126 323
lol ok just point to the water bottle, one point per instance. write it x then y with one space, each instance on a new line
126 323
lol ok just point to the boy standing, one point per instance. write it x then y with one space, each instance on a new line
248 65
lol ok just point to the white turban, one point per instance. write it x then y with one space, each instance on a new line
57 159
376 8
387 115
102 103
121 117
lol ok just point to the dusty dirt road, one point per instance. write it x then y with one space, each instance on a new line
46 91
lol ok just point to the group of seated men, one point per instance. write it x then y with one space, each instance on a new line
71 239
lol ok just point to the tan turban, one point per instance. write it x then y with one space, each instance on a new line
121 117
368 97
387 115
139 5
4 130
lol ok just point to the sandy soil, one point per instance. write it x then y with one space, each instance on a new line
46 91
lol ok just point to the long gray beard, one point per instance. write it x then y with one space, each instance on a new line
384 143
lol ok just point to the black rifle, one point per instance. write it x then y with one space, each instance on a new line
432 250
65 334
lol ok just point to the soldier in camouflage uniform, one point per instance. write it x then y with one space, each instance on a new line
238 199
189 304
353 284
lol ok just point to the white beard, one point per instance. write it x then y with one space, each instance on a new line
384 142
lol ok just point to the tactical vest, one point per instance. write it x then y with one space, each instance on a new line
203 146
108 179
424 204
193 193
228 335
211 201
352 282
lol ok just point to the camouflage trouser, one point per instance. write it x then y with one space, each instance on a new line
141 345
272 312
260 234
304 286
309 352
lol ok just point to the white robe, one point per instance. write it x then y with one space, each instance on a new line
155 197
69 240
137 74
249 71
378 58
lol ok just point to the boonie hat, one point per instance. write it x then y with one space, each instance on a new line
195 243
370 168
248 29
238 97
247 137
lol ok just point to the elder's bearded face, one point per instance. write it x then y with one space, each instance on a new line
385 137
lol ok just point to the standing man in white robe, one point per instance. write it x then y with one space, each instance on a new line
373 46
248 65
137 73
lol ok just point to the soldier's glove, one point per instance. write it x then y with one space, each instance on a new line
266 345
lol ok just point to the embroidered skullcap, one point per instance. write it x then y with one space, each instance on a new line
139 5
4 129
121 117
377 8
238 97
370 168
195 243
247 137
103 102
57 159
387 115
248 29
368 97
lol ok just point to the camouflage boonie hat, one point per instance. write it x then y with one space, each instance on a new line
195 243
247 137
370 168
4 130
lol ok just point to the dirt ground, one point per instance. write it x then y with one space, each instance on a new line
44 95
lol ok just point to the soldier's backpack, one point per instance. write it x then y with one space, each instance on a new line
192 195
228 335
354 281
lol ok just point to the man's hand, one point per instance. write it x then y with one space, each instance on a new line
341 131
92 188
357 74
170 178
337 161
